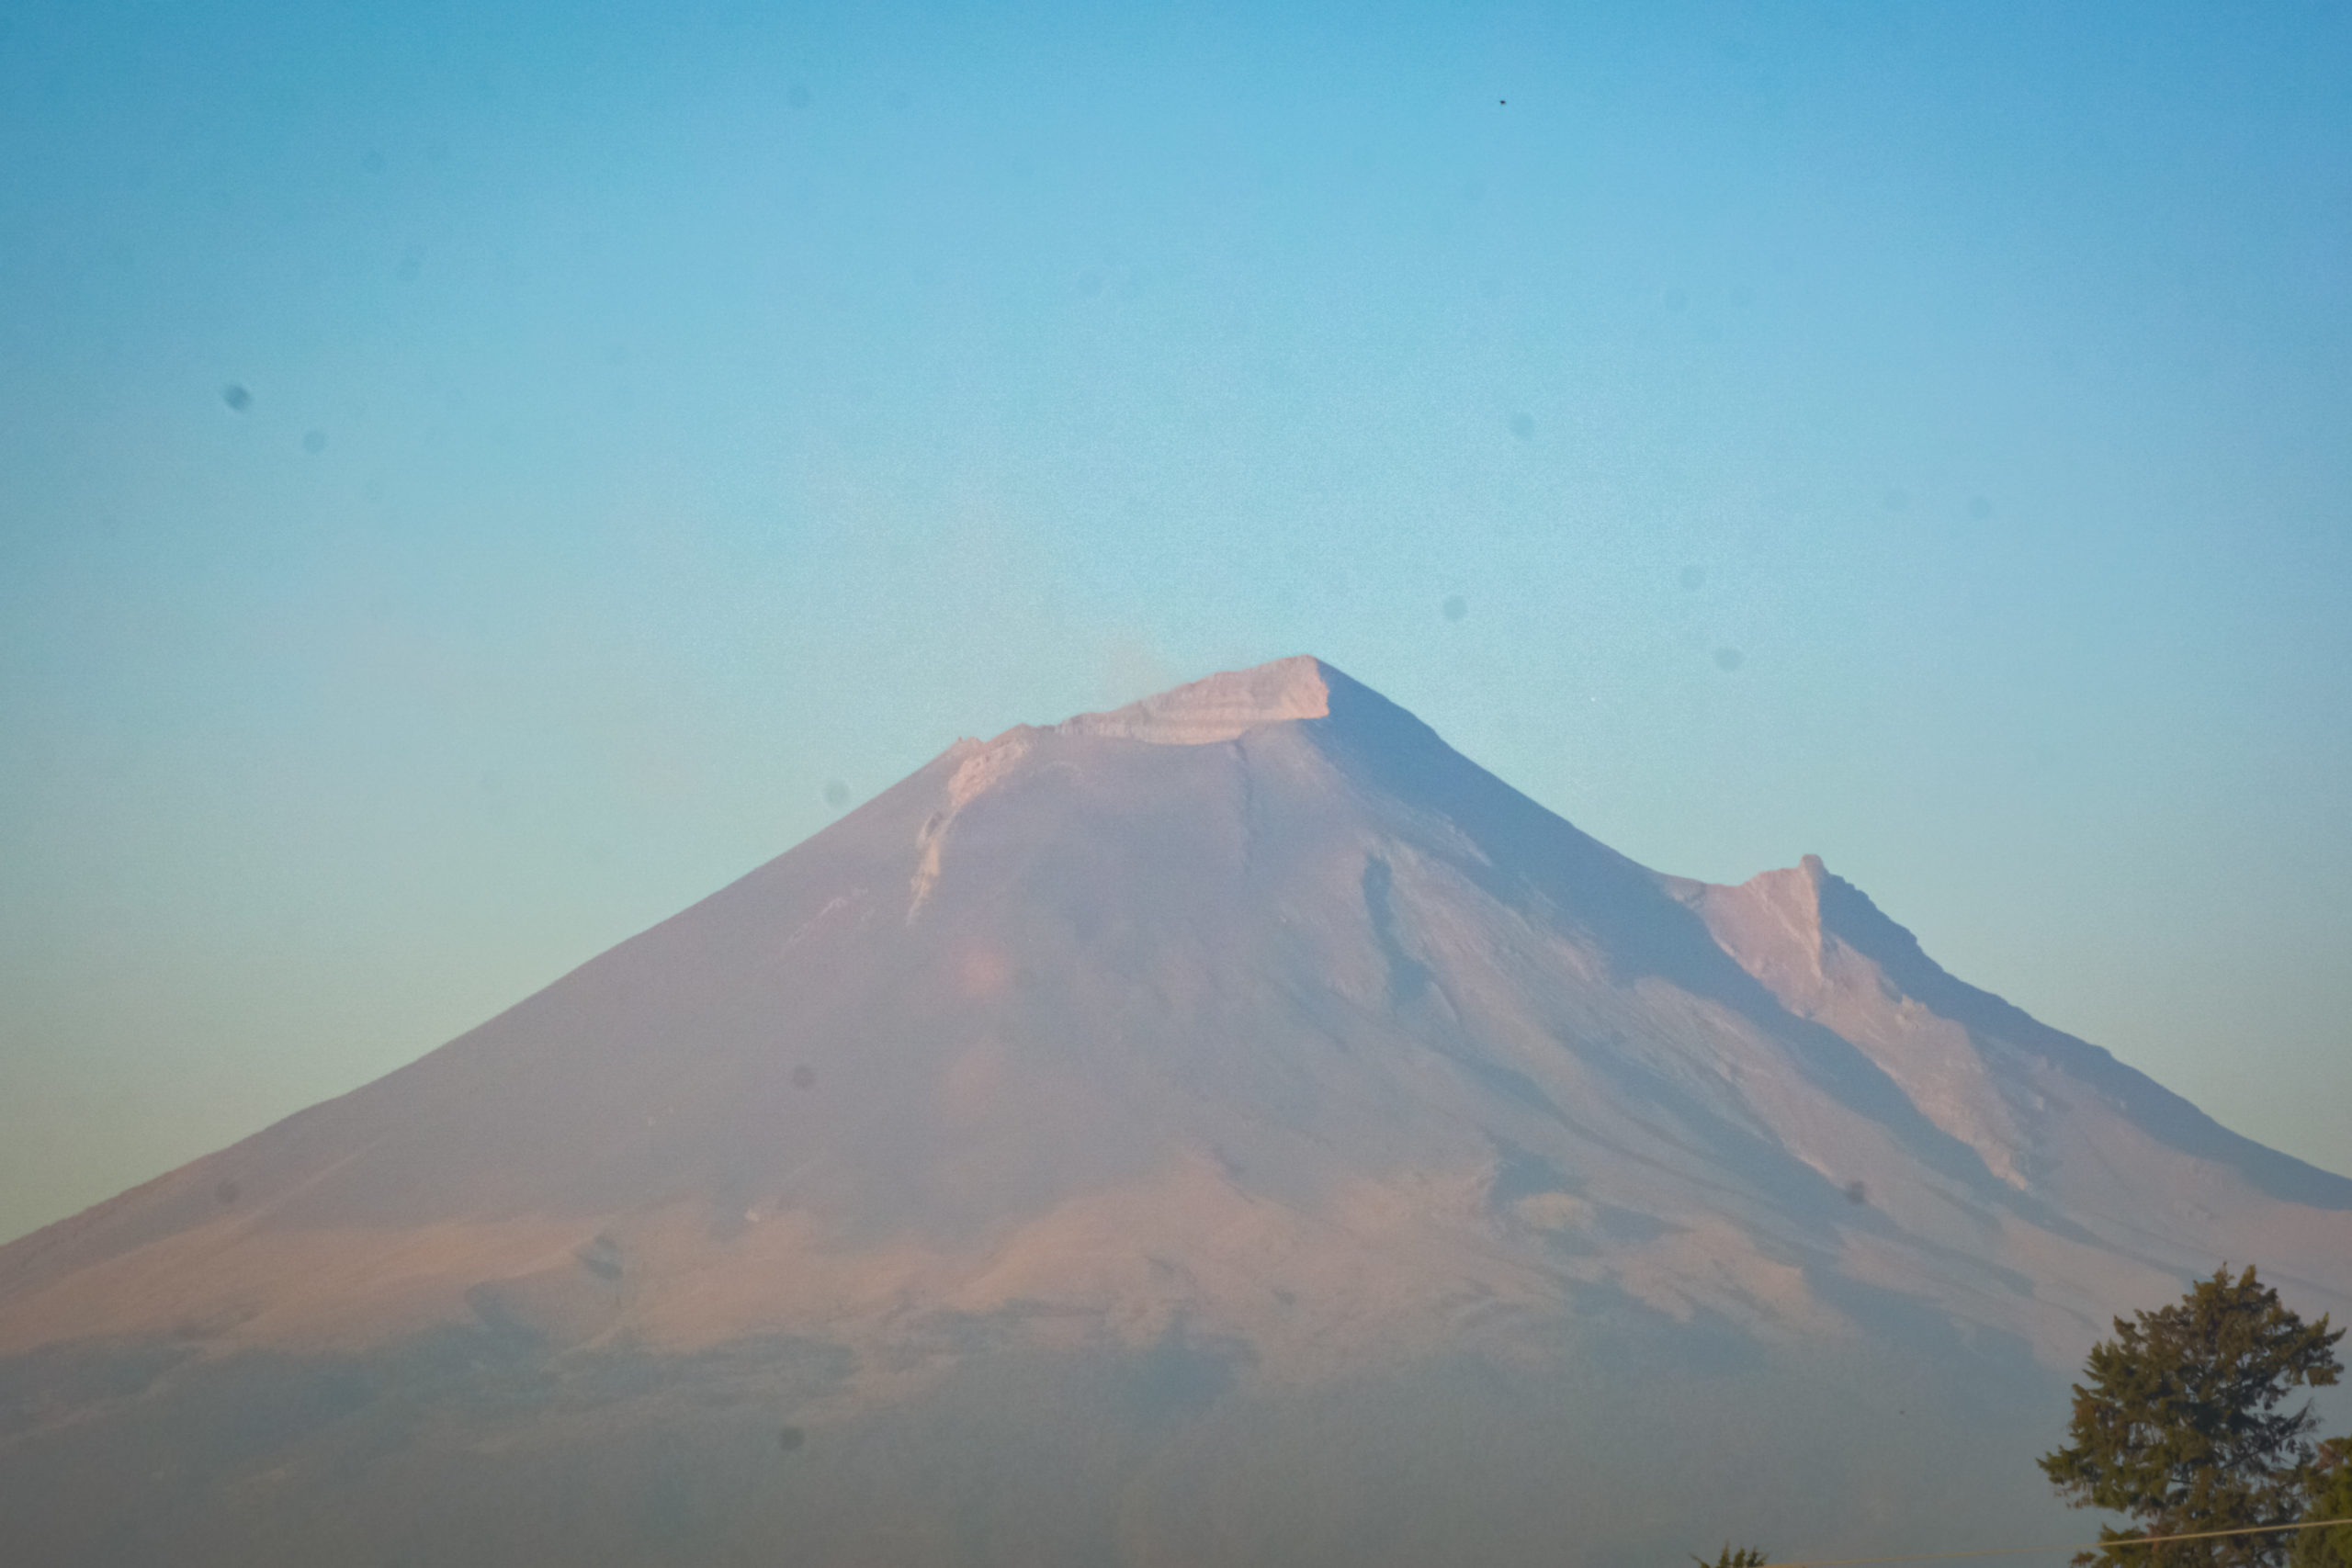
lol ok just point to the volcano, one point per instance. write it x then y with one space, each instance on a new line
1232 1129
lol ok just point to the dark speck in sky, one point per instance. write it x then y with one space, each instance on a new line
1979 508
836 794
1693 577
790 1439
1455 607
804 1077
373 162
314 442
1523 426
236 397
1896 499
797 97
1729 659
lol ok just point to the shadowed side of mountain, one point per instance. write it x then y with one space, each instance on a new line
1530 859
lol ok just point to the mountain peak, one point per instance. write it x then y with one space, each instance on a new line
1204 1124
1782 909
1221 706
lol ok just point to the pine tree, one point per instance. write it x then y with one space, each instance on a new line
1735 1557
2330 1489
2179 1427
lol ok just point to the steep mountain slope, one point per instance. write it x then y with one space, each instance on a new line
1229 1123
2107 1149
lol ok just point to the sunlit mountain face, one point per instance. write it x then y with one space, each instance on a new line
1234 1129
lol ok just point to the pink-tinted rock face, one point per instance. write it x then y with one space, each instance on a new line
1229 1063
1219 707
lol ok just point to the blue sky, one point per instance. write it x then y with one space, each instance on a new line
1916 434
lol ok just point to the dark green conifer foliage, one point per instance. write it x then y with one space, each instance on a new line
1735 1557
2179 1427
2330 1498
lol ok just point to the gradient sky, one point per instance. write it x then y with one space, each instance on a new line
1916 434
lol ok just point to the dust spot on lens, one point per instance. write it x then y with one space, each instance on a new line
236 397
412 262
1856 1192
804 1077
1729 659
1979 507
1676 299
1523 426
1896 499
836 794
1693 577
797 97
789 1438
228 1192
373 162
1454 607
314 442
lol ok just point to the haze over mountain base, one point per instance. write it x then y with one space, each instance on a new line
468 1451
1234 1129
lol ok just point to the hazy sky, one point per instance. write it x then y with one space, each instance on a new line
475 478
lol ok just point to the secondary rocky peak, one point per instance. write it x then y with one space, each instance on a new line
1783 908
1791 921
1829 911
1221 706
